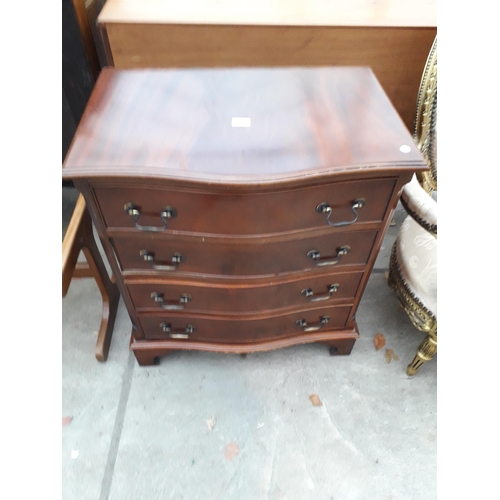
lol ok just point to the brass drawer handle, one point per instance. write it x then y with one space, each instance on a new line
149 257
317 298
325 208
312 328
158 298
177 334
166 213
330 261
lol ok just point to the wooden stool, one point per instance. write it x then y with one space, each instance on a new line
79 237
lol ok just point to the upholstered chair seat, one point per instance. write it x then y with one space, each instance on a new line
413 270
419 269
416 247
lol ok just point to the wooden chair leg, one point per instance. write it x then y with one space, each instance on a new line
426 351
72 244
109 291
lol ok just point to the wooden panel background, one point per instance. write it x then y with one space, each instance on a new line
396 55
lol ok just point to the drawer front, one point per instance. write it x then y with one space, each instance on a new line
210 213
217 298
240 330
257 257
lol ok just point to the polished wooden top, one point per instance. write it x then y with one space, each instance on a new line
186 124
417 13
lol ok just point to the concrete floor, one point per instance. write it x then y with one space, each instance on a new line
142 432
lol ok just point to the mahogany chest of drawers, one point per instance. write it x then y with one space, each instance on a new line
241 209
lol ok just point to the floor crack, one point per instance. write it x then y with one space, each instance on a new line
117 428
304 455
272 479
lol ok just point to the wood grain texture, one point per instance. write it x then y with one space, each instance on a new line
249 297
148 352
72 244
420 13
84 188
391 36
177 124
245 198
237 329
396 55
251 213
213 257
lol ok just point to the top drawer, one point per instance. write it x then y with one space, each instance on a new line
152 209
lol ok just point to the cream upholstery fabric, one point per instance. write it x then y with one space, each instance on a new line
419 202
416 251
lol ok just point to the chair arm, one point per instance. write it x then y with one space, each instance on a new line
420 205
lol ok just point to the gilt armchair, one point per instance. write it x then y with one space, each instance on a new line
413 262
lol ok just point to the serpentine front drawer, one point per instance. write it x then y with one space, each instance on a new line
236 257
148 208
210 328
249 297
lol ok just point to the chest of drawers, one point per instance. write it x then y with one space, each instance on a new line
241 209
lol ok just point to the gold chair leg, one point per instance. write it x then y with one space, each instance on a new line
426 351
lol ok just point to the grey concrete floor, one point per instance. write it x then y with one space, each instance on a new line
142 432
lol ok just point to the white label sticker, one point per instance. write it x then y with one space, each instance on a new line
405 149
241 121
